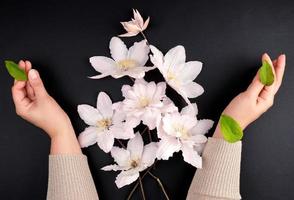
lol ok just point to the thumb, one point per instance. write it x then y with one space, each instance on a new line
37 83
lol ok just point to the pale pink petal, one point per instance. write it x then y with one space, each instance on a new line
138 18
118 49
146 24
175 57
149 154
191 110
129 34
121 156
99 76
126 178
168 106
120 131
192 90
112 168
135 146
104 105
191 156
167 147
88 137
89 114
105 141
139 52
157 57
103 64
151 118
125 89
202 127
191 71
199 139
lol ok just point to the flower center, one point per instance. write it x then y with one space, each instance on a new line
181 131
127 64
144 102
134 164
172 77
104 123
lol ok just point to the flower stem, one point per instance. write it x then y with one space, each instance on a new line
144 36
137 184
160 184
149 134
120 142
142 189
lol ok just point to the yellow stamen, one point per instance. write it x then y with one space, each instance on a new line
134 164
127 64
143 102
104 123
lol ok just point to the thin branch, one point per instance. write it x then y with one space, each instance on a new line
142 189
149 134
144 36
137 184
160 184
120 142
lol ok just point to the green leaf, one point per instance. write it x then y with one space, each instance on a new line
266 74
16 72
231 130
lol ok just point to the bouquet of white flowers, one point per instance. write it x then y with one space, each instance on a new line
145 103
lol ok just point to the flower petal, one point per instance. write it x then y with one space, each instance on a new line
118 49
191 156
89 114
166 147
88 137
112 168
129 34
126 178
202 127
139 52
149 154
175 57
157 57
191 110
121 156
151 118
135 146
104 105
103 64
192 90
191 70
105 141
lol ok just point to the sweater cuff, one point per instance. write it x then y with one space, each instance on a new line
70 178
220 175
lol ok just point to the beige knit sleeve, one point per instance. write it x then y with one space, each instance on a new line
220 175
70 178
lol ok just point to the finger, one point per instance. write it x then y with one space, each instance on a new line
29 88
255 87
280 69
37 84
19 94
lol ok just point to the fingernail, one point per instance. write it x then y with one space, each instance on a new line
33 74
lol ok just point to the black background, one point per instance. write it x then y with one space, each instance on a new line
229 37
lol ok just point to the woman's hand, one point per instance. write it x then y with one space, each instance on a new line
34 104
257 99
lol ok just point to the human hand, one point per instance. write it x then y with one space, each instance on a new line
257 99
34 104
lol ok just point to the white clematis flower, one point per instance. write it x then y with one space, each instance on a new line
182 131
135 26
105 124
125 62
132 160
146 102
178 73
